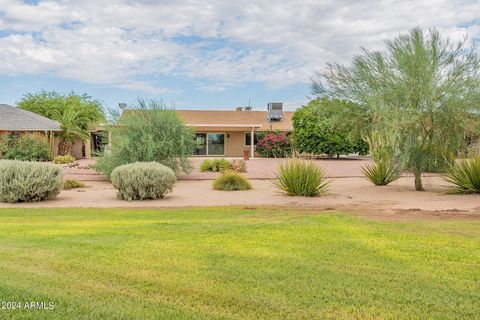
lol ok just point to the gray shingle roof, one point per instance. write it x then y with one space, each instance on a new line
15 119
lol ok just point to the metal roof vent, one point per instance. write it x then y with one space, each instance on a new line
275 111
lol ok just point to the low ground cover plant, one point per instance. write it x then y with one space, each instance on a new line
73 184
26 148
215 165
301 178
142 180
64 159
464 174
381 173
231 181
24 181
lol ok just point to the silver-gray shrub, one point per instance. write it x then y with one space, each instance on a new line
24 181
142 180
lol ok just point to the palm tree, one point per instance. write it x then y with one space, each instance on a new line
70 123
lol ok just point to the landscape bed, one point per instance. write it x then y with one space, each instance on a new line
238 262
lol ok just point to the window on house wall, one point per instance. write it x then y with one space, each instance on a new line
248 138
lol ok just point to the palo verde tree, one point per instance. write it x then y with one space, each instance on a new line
75 113
420 92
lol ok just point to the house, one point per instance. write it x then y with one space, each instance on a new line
229 133
18 122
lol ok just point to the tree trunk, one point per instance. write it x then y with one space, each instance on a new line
418 181
64 147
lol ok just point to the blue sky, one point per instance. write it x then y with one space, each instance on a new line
201 54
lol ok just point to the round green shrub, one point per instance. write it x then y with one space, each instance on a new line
23 181
231 181
142 180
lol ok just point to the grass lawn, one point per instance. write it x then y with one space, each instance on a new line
235 263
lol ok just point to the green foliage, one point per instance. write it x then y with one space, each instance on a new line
301 178
26 147
328 126
149 132
73 184
75 113
51 104
23 181
231 181
215 165
464 174
274 144
238 165
421 91
381 173
64 159
142 180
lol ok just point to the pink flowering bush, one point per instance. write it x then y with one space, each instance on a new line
274 144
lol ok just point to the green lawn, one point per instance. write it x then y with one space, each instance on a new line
237 263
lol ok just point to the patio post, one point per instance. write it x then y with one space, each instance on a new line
252 149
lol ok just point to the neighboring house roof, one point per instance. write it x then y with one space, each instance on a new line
15 119
206 118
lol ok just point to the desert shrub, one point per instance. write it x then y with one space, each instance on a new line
215 165
231 181
73 184
274 144
26 148
149 132
64 159
464 174
24 181
238 165
328 126
301 178
143 180
381 173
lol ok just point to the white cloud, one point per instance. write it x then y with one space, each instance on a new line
217 44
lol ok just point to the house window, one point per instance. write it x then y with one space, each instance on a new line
248 138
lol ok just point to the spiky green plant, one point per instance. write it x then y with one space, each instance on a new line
381 173
231 181
301 178
464 174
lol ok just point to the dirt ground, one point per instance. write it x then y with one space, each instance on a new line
396 201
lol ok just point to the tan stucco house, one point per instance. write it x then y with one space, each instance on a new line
229 133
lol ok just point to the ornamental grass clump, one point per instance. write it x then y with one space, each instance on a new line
301 178
24 181
381 173
231 181
143 180
464 174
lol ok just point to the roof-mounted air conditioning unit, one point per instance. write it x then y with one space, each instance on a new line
275 111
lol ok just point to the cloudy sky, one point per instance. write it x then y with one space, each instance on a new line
201 54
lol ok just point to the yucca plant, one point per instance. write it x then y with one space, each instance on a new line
301 178
464 174
381 173
231 181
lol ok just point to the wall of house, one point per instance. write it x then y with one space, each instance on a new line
235 144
